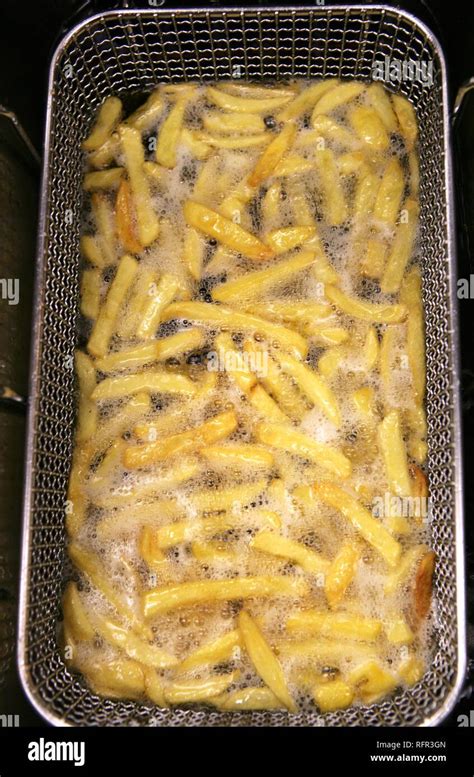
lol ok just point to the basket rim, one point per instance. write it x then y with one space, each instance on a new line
39 704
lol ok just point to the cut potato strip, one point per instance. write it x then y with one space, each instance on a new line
184 594
370 528
225 231
106 320
298 443
264 660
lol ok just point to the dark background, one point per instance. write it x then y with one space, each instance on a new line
29 32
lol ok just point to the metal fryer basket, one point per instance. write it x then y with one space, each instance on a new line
123 52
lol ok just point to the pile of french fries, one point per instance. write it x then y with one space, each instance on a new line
221 517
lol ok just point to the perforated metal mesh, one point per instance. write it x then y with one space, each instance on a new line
133 51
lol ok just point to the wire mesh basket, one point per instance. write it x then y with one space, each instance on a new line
131 51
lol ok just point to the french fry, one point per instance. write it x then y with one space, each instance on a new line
264 660
330 362
193 253
238 455
90 293
213 553
378 313
116 679
364 401
144 285
107 120
75 614
269 542
422 585
371 529
371 349
406 118
103 474
352 163
389 196
149 548
369 127
226 232
192 141
394 454
272 155
298 443
405 570
366 190
340 94
89 565
233 123
256 283
154 382
312 385
276 382
250 698
147 486
92 251
266 406
217 428
236 142
399 632
103 179
271 205
105 251
306 99
327 128
172 534
186 691
215 652
302 206
372 681
147 220
125 219
335 625
299 313
154 688
335 205
203 313
340 574
231 102
88 414
325 651
134 647
255 90
142 119
401 250
334 695
373 260
164 293
169 135
121 421
172 597
411 296
230 498
158 350
146 115
287 238
380 101
293 165
410 670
